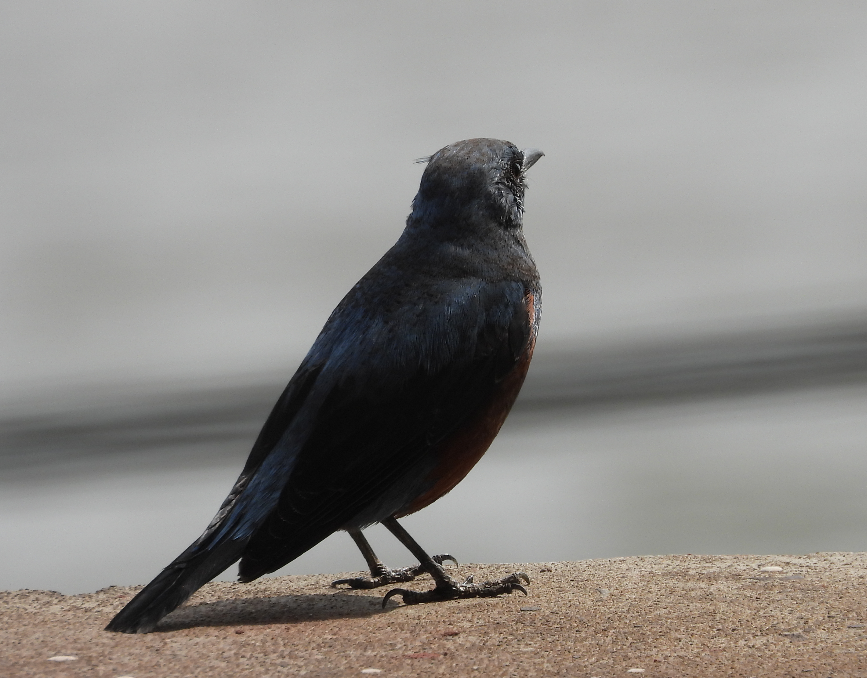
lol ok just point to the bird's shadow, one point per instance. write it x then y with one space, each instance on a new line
289 609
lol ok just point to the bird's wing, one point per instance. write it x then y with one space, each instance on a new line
389 391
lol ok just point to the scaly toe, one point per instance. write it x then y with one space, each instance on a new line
386 578
450 590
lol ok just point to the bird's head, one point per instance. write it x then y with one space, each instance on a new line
476 179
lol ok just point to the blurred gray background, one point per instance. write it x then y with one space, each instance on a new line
187 190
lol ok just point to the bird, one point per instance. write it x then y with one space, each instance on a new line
402 392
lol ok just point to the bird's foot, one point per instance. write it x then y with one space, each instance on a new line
383 576
448 589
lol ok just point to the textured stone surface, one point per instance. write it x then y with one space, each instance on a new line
651 616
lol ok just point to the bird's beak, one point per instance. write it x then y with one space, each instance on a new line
531 156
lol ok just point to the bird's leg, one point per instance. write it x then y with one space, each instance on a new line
447 588
380 575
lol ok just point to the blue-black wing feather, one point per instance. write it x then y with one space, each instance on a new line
364 442
384 382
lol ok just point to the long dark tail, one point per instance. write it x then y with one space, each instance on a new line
219 546
194 568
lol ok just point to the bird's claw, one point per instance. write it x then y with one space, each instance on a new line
450 590
385 576
440 559
397 592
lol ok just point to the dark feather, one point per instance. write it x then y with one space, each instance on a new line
413 352
365 442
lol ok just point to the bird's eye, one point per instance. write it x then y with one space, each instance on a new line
515 168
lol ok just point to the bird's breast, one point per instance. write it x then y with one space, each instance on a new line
459 452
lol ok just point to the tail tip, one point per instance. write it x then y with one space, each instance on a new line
139 626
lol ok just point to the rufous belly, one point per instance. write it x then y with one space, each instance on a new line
458 453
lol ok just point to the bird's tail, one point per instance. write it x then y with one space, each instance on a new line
176 583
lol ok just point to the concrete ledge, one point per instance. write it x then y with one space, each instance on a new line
652 616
